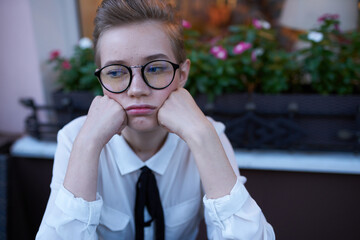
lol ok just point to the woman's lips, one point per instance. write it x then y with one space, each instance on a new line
140 109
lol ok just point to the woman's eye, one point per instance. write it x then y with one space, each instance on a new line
156 69
116 73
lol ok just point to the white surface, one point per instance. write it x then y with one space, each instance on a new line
329 162
31 147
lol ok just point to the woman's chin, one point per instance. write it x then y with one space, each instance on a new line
143 124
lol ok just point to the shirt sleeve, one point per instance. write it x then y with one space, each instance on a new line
68 217
235 216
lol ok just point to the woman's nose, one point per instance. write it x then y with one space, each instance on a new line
138 87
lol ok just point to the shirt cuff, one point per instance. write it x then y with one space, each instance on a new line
78 208
224 207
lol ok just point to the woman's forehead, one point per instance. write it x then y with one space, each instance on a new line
134 42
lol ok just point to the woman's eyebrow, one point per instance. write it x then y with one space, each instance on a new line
114 62
146 59
156 56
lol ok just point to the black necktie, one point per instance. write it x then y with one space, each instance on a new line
147 195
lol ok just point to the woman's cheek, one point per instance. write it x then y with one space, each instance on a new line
114 96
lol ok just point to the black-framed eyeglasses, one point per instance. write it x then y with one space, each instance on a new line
157 74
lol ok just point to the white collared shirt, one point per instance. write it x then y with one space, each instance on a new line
234 216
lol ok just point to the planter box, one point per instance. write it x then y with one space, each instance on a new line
70 105
293 121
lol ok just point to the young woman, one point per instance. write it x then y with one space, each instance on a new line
143 161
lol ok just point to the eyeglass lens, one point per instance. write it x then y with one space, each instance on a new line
157 74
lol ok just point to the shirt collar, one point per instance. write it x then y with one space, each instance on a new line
128 161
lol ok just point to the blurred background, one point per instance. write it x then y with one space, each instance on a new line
33 29
283 75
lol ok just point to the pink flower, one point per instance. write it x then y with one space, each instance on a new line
66 65
241 47
214 40
257 23
54 54
186 24
337 28
219 52
253 56
328 16
216 49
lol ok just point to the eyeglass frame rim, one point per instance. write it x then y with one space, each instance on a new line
174 65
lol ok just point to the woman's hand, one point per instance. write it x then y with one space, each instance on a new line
181 115
105 118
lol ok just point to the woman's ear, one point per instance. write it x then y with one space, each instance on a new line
184 72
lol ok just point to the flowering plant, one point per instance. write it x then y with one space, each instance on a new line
250 59
331 62
209 74
263 65
77 72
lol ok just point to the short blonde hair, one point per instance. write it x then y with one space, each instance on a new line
112 13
